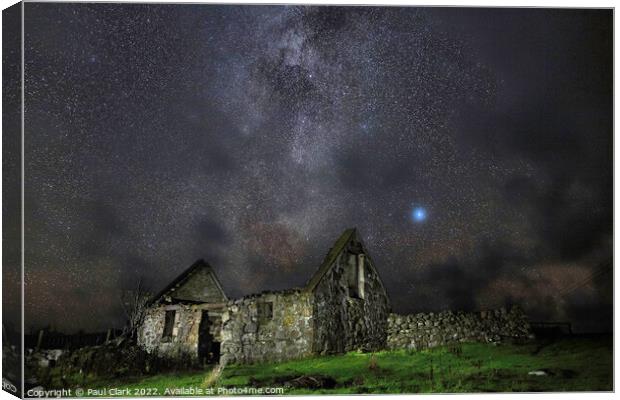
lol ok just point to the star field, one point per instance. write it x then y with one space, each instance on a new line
252 136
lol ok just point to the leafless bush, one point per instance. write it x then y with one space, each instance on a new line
134 303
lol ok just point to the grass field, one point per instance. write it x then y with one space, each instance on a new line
569 364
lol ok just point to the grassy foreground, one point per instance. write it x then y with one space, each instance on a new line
568 364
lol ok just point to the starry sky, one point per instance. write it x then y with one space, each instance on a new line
472 149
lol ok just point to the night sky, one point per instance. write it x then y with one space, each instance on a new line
472 148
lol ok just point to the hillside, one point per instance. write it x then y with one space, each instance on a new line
579 363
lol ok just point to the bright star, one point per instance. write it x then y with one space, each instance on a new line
418 214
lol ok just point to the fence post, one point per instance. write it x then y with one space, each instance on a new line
40 340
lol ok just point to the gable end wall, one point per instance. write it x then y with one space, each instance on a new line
199 286
343 323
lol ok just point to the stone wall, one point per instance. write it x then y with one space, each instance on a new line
110 361
421 331
344 322
186 332
251 334
201 286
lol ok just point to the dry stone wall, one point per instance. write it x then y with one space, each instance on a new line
422 331
273 326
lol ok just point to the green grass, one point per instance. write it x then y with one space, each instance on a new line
571 364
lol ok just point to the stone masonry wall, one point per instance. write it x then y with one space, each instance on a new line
344 323
184 341
200 286
249 336
421 331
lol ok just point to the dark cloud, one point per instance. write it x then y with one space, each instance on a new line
210 231
457 283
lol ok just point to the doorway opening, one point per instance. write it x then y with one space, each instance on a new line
208 348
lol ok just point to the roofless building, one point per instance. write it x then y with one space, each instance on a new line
343 307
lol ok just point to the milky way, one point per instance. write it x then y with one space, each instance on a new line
253 136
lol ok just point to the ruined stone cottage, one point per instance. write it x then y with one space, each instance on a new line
343 307
185 318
